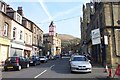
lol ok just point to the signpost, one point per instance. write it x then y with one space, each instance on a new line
96 38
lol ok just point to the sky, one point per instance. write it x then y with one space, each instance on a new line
64 13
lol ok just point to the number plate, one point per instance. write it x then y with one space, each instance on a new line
10 67
31 62
82 68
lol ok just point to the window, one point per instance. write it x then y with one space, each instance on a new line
5 29
18 18
30 39
117 40
26 37
34 30
21 35
14 33
37 37
3 7
34 40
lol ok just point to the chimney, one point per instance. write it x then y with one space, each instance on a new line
9 9
20 11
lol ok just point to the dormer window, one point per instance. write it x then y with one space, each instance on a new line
18 18
3 7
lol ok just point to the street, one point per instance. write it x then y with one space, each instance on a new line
54 69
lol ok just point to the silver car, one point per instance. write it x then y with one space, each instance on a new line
43 59
79 63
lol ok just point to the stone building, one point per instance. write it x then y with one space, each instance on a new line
27 36
105 17
52 44
18 35
5 29
37 39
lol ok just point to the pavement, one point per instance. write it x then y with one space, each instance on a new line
1 67
114 77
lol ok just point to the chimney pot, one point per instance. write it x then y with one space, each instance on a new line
19 8
20 11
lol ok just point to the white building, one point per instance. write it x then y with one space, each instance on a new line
17 34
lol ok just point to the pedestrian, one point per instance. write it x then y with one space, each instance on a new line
60 56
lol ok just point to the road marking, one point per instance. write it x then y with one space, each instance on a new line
40 74
52 66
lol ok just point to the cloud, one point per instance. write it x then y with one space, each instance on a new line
45 9
63 13
66 12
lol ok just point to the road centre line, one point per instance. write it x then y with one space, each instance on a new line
52 66
40 74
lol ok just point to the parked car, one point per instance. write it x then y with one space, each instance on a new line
34 60
16 63
43 59
57 56
51 57
79 63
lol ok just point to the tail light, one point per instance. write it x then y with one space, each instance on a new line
17 60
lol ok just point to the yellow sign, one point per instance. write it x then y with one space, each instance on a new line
4 41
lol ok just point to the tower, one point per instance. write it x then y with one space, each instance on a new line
52 29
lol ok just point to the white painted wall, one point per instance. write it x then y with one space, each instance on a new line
19 28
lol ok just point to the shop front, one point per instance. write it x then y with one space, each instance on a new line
4 49
28 51
35 51
16 49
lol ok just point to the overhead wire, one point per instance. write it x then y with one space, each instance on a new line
61 19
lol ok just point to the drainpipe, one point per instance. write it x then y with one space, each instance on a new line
113 32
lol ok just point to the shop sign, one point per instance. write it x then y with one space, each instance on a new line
96 38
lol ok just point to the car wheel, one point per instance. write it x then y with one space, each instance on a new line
5 69
27 66
71 71
19 67
90 72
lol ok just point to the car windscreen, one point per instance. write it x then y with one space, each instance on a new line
11 59
79 59
41 57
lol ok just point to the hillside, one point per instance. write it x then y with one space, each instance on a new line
68 39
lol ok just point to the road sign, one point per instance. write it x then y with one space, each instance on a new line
96 38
